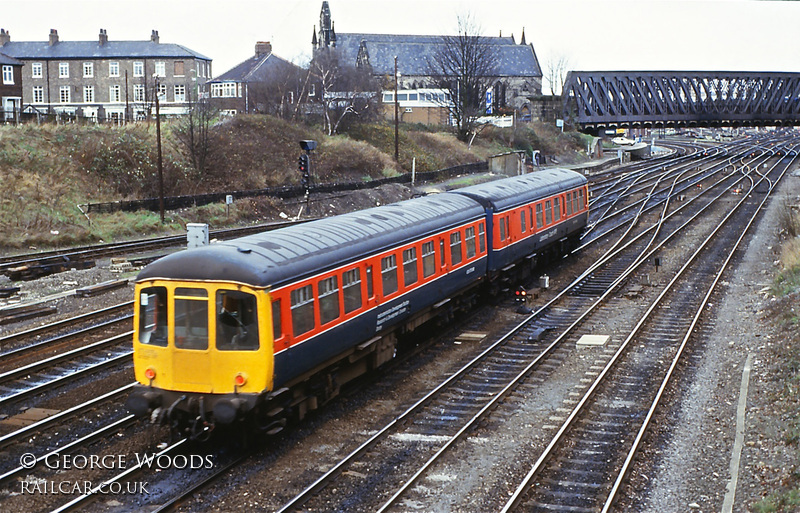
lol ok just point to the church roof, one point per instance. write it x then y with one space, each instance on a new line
414 52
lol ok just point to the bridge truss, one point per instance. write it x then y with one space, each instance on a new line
604 99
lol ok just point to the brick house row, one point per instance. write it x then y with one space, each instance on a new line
102 79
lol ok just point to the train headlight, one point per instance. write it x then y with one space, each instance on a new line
240 379
150 373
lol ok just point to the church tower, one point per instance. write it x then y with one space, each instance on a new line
327 35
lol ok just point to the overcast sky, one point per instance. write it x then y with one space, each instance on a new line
594 35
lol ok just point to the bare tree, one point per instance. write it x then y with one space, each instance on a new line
279 92
193 132
345 90
466 66
556 69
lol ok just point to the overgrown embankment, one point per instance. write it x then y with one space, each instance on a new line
48 170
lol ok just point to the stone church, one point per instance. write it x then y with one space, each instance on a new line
518 78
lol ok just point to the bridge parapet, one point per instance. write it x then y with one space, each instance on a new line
602 99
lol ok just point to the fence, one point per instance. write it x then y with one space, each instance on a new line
285 192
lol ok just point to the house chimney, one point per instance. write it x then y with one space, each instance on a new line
154 36
263 48
5 37
103 37
53 37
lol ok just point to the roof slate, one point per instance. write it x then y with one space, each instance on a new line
415 51
5 59
255 69
94 50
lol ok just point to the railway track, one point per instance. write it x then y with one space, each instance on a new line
585 464
431 425
462 401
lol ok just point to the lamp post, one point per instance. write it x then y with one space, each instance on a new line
160 164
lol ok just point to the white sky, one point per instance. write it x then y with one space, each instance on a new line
722 35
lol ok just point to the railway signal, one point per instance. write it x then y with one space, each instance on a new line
304 165
305 177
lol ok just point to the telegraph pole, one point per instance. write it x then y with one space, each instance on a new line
160 163
396 116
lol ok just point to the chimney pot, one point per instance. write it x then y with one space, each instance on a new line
154 36
5 37
53 37
103 37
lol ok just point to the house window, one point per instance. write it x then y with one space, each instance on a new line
38 94
63 70
114 94
161 69
223 90
138 69
162 92
8 74
179 69
180 93
88 70
63 94
113 69
138 93
36 70
88 94
312 91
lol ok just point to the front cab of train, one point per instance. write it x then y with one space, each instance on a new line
202 352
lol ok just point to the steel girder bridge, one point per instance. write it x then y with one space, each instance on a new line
615 99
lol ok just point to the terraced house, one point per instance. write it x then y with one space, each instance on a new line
106 80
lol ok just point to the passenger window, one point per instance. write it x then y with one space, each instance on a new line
428 259
455 248
548 213
153 316
389 274
523 223
191 318
277 329
302 310
557 209
469 235
370 286
569 203
351 288
409 266
441 253
581 204
482 237
328 293
539 222
502 228
237 321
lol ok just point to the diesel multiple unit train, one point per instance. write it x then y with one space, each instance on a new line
265 328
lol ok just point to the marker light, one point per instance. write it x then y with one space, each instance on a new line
240 380
150 373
